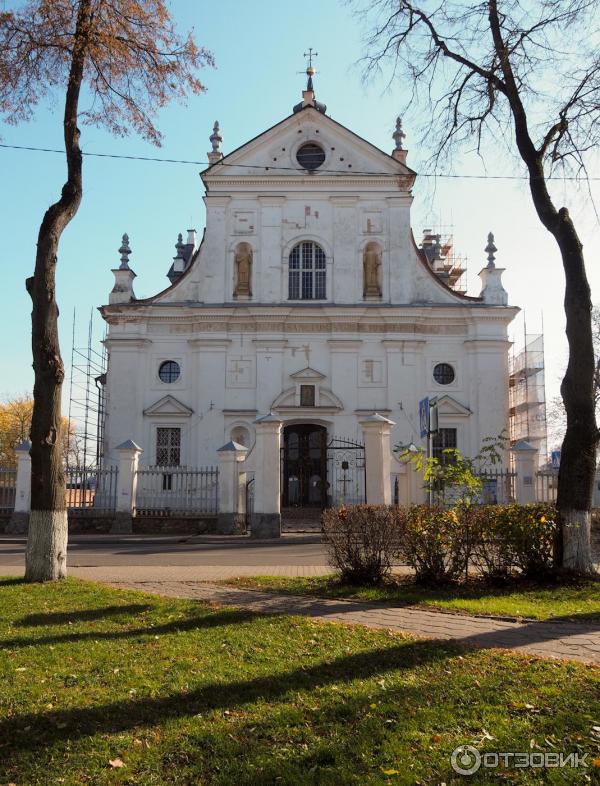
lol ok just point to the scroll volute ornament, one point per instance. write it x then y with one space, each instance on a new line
243 270
371 270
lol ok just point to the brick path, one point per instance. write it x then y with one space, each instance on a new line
574 641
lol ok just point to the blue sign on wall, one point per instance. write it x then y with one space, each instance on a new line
424 416
556 459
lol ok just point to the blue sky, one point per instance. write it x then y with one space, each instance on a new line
258 48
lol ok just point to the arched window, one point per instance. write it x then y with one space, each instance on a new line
308 269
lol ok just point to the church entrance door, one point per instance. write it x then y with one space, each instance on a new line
304 466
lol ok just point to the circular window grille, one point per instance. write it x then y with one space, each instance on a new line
310 156
169 371
443 374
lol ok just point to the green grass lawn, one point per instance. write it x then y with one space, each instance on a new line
579 601
179 693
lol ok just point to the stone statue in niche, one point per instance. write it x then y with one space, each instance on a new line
243 271
371 268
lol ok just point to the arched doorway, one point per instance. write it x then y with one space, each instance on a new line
304 466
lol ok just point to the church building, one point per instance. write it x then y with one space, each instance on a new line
306 297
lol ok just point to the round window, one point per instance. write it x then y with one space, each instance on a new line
310 156
169 371
443 374
241 435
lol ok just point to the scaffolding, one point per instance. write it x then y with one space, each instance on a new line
448 266
527 394
87 401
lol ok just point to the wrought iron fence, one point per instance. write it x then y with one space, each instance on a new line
8 488
91 490
499 486
346 472
177 491
546 485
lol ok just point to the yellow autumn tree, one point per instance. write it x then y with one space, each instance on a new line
15 427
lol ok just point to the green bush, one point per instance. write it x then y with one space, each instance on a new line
363 541
434 544
529 533
441 544
514 538
492 554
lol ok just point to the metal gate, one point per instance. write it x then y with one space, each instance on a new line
346 472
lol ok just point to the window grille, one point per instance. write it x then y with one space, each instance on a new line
169 371
307 272
445 438
168 447
443 374
310 156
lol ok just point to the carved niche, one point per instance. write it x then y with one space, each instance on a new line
372 270
243 270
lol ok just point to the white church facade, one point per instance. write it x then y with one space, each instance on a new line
307 297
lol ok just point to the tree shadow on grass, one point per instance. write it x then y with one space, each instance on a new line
31 731
83 615
209 619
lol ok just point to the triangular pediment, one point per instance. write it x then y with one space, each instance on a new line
450 406
273 151
169 405
307 373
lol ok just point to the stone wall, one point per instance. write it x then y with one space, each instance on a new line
143 525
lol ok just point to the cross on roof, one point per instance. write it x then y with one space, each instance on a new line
310 54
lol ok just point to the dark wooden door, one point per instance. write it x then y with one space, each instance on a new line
304 466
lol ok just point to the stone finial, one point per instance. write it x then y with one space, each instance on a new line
399 153
492 291
399 136
179 259
215 139
122 292
490 250
124 251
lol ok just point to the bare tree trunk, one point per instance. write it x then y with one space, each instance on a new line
578 456
46 555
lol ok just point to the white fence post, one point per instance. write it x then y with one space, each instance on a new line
265 521
129 454
231 519
525 461
19 520
378 454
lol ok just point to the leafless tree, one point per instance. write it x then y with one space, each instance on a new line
124 60
527 73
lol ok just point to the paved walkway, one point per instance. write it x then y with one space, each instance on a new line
573 641
181 573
